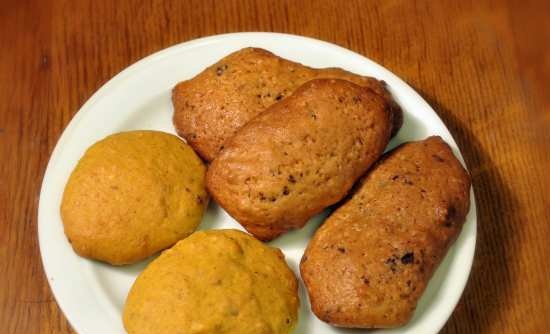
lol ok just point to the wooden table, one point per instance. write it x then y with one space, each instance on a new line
484 67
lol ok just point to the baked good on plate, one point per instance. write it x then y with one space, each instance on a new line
212 106
371 260
217 281
300 156
133 194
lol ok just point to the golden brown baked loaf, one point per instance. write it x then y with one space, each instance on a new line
299 156
211 107
371 260
133 194
217 281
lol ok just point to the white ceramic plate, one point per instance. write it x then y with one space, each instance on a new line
92 294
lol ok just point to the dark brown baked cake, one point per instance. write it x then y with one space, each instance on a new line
212 106
300 156
371 260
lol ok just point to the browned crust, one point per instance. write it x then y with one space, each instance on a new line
299 156
212 106
371 260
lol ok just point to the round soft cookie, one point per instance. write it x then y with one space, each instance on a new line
217 281
133 194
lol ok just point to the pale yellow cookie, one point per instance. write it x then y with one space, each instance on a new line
133 194
218 281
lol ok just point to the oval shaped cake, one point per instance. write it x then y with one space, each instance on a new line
371 260
300 156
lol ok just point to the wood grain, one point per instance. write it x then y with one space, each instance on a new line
483 65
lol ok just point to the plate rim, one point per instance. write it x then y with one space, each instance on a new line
166 52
